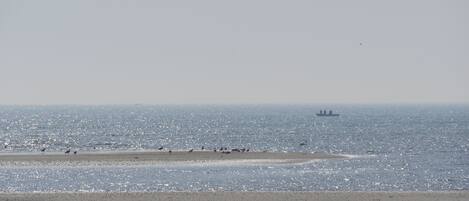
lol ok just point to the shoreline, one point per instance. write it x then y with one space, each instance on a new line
163 157
229 196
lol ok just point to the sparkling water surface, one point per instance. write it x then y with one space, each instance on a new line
393 147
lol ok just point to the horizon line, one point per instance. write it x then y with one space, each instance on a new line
235 104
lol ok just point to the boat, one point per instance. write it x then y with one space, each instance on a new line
326 114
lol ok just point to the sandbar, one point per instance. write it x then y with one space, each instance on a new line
163 156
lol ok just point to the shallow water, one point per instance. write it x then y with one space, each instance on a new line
397 147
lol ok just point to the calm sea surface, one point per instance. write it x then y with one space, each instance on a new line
393 147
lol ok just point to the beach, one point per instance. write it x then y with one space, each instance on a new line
234 196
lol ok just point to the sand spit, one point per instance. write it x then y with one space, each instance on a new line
159 156
235 196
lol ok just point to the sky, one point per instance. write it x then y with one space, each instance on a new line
234 52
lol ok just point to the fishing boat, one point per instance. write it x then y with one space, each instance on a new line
324 113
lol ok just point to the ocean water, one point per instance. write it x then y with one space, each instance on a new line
391 147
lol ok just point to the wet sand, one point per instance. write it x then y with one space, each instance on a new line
235 196
162 156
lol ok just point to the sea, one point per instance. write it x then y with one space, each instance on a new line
389 147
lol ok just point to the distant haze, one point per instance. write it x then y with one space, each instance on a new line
233 52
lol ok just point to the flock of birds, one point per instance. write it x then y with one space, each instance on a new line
223 150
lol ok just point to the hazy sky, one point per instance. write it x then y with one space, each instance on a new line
252 51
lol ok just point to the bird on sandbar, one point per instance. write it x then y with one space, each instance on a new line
75 152
43 149
191 150
68 151
161 148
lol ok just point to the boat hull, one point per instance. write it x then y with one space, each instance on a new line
327 115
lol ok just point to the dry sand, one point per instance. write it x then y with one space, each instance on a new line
246 196
160 156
